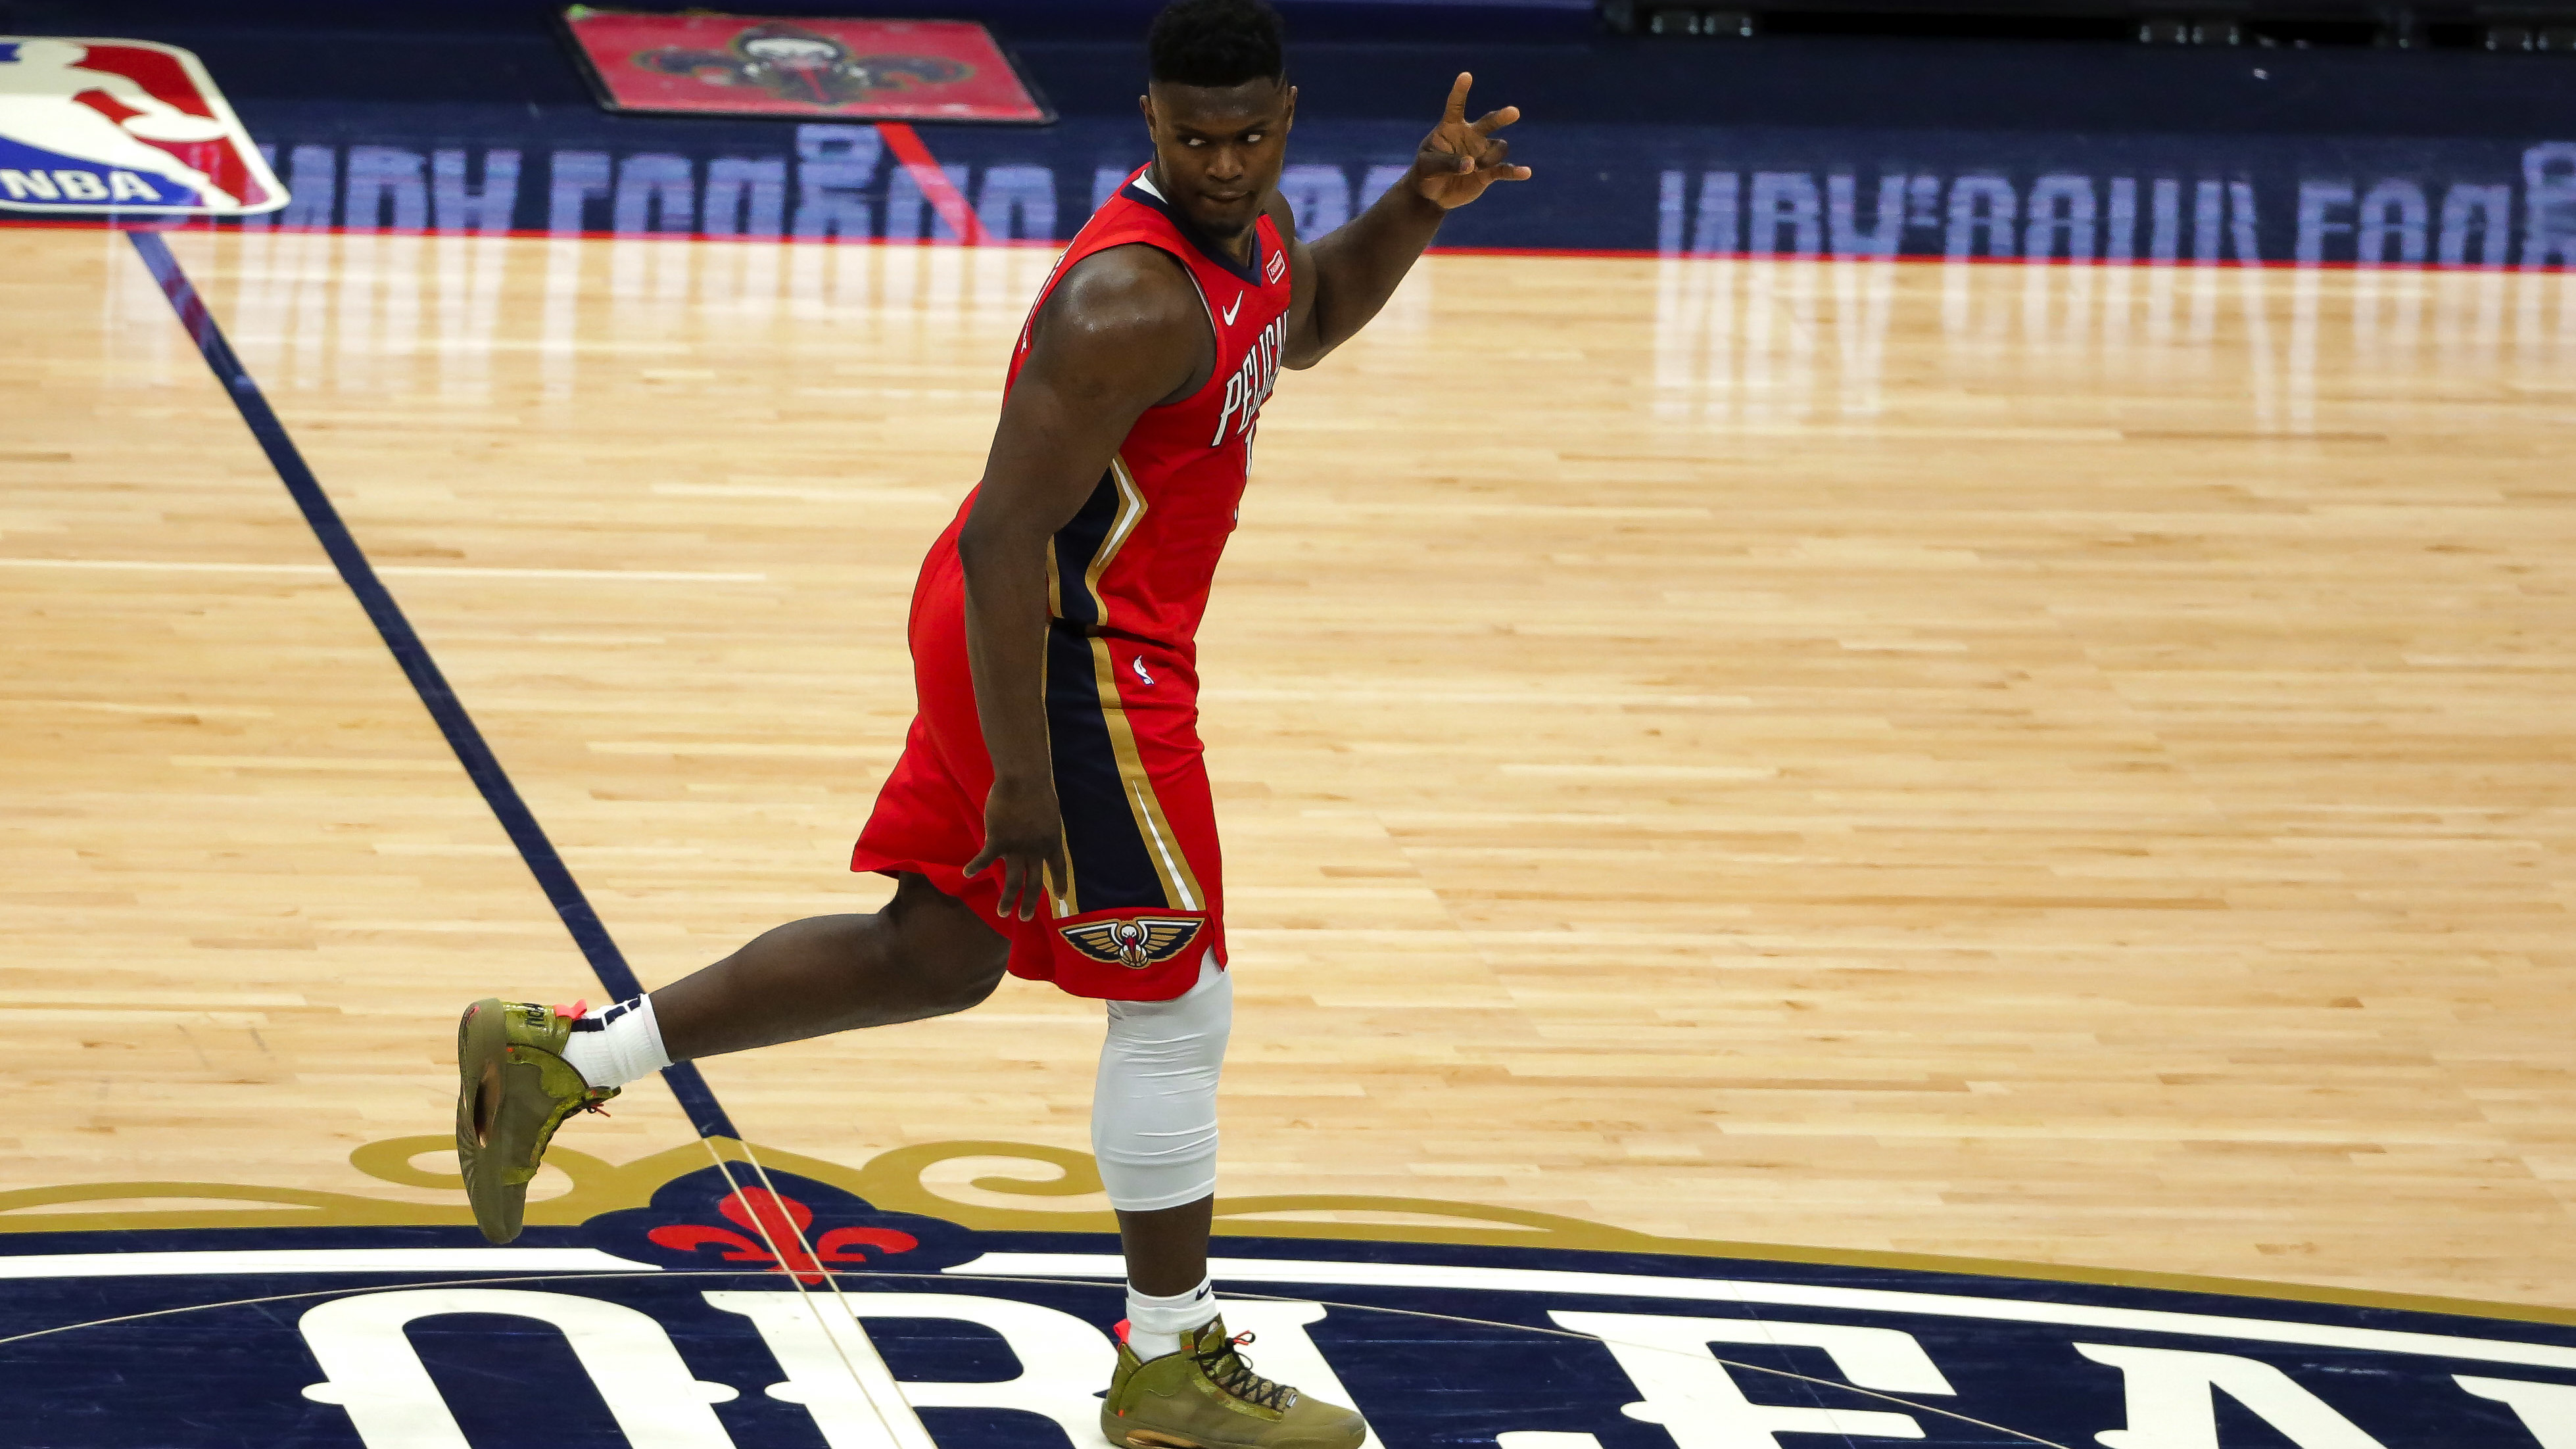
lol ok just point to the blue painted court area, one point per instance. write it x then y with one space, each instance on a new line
674 1326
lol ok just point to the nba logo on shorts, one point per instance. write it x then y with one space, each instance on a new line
123 126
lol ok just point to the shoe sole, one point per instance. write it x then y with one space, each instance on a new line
482 1045
1160 1439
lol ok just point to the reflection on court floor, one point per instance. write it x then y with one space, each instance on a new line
2286 352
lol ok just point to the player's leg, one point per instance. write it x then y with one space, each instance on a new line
925 954
523 1068
1179 1378
1145 919
1167 1257
1154 1135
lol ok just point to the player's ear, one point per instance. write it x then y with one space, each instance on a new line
1145 105
1290 124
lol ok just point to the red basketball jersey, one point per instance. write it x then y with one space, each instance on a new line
1138 558
1143 904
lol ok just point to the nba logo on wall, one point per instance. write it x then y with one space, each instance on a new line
122 125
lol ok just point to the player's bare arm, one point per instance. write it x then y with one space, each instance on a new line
1121 333
1345 277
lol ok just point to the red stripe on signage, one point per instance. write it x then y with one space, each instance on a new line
944 197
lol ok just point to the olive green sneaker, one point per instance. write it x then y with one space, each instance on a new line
1207 1397
513 1089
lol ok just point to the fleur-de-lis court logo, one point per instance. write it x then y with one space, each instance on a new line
770 1219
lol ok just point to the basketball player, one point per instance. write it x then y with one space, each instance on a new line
1050 815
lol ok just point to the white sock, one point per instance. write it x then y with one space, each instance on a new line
613 1047
1156 1326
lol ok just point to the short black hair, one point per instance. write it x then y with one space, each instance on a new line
1217 43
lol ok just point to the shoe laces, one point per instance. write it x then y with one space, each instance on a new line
1228 1369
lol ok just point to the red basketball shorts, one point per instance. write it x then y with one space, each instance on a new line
1144 903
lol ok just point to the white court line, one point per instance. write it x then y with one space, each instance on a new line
1795 1295
393 571
320 1260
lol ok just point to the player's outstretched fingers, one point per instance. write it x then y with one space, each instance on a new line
1015 888
1492 121
1456 111
985 860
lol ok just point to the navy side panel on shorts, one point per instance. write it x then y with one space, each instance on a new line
1112 866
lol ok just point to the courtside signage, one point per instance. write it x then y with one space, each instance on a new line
789 1313
92 125
700 63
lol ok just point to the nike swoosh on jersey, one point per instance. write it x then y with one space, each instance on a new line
1237 307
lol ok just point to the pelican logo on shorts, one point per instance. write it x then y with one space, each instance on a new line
122 126
1135 942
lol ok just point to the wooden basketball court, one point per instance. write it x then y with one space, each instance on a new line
2064 765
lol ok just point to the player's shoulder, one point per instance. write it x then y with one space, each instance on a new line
1124 290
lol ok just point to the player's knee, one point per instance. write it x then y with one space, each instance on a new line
940 976
953 958
972 978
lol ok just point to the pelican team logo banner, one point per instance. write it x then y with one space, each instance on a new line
122 125
751 65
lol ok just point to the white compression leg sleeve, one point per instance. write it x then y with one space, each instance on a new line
1153 1113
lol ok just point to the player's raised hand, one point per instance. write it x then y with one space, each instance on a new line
1460 158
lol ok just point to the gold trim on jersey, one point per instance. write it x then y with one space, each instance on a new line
1171 862
1131 511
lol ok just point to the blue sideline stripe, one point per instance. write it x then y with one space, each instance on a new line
606 962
